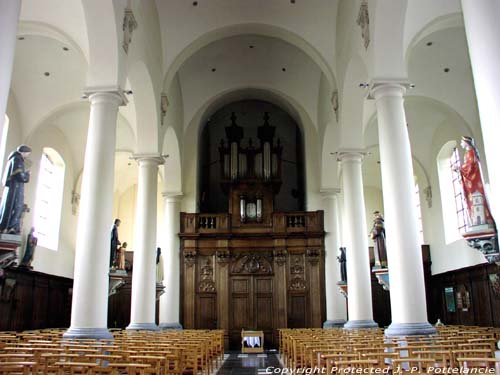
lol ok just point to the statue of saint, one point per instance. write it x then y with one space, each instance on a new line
159 266
343 265
472 184
114 243
14 179
377 234
30 249
120 255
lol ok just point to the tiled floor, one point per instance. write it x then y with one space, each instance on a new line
248 364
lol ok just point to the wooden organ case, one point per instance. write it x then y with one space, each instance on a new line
252 268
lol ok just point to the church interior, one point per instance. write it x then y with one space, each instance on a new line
284 172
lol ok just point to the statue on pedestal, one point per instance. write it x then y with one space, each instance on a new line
377 234
12 205
115 242
31 243
343 265
478 210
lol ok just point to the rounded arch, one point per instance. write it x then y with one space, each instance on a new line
146 107
172 169
352 103
387 43
287 103
441 23
249 29
49 31
106 65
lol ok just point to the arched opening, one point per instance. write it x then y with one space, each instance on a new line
249 115
49 194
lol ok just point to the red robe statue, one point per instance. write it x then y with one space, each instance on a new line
472 182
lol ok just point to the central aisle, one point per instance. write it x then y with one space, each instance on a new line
249 364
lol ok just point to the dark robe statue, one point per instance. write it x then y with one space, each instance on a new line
31 243
377 234
114 243
13 194
343 265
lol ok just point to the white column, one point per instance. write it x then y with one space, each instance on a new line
482 28
336 313
89 313
142 314
9 18
358 263
170 300
404 254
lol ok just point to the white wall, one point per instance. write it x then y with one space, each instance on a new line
58 262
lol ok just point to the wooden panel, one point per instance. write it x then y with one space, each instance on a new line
263 285
482 304
241 285
206 311
27 302
264 313
241 312
297 311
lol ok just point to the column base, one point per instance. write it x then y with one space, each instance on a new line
410 329
354 324
142 327
337 323
170 326
87 333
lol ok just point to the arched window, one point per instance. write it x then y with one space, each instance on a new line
3 143
452 200
49 194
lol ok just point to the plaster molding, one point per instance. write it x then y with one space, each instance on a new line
335 104
156 158
117 90
348 154
164 103
129 25
363 21
376 85
330 192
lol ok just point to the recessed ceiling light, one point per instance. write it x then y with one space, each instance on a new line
446 70
195 3
428 44
283 69
65 48
46 74
213 69
21 38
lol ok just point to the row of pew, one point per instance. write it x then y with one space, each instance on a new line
455 349
176 352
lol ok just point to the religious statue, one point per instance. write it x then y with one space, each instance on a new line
159 266
343 265
120 255
377 234
31 243
14 179
114 243
478 210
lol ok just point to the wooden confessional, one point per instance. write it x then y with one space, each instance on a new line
252 268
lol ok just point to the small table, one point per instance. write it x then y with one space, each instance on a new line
252 341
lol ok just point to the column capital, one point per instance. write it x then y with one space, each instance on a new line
153 158
105 93
172 196
350 155
388 87
330 192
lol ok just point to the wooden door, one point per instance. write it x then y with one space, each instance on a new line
251 308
